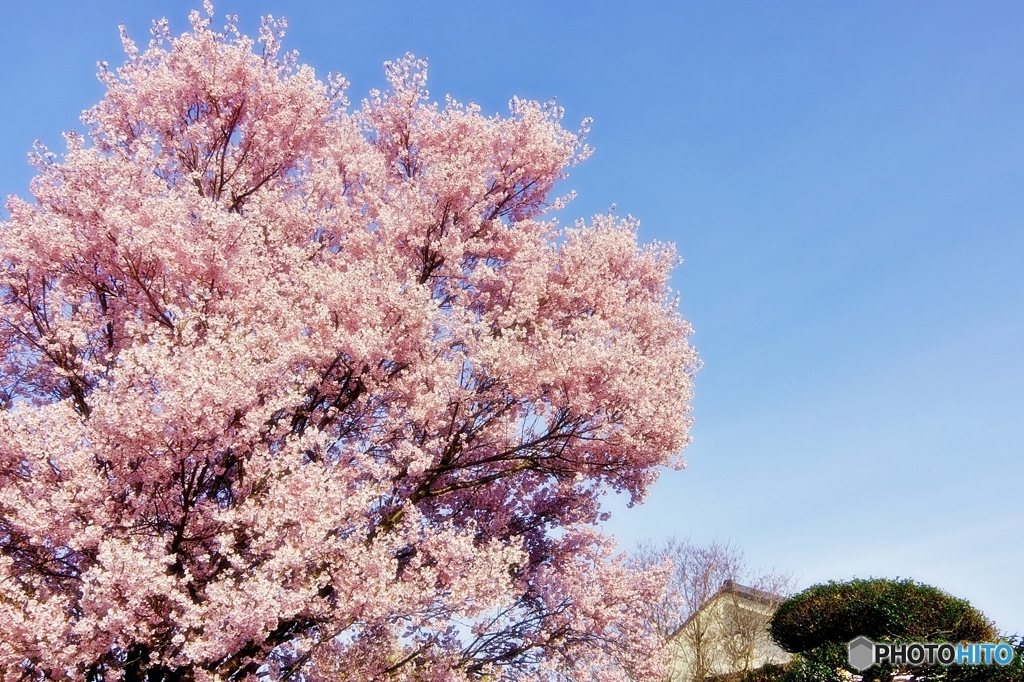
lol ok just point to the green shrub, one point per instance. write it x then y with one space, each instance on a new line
817 624
883 610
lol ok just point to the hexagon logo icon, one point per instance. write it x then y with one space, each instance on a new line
862 653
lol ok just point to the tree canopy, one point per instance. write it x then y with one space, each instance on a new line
882 610
294 391
818 624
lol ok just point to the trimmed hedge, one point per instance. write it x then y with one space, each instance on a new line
883 610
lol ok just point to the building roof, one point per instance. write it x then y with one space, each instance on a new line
751 593
733 587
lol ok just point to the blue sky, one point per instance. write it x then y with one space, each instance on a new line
844 182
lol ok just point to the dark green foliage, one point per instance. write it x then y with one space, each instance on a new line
823 665
799 669
818 665
767 673
1011 673
884 610
818 623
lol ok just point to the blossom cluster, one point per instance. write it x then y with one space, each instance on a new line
293 390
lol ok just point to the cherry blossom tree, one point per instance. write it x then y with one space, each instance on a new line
297 391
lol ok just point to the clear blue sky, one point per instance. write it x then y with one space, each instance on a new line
844 182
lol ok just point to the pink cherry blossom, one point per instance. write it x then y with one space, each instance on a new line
297 391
